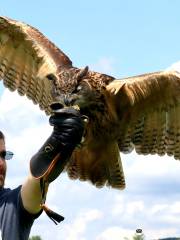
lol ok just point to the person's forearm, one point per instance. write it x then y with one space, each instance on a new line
31 194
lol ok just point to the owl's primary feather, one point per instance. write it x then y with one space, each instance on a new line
140 112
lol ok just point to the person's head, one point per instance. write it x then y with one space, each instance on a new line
3 165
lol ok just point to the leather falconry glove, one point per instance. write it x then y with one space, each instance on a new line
49 161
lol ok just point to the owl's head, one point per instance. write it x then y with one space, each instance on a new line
70 86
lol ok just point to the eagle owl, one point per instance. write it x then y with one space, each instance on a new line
140 112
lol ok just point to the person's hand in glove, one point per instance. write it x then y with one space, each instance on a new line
68 127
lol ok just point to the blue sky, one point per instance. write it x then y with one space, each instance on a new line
119 38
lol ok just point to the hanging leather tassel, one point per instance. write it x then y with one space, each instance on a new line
55 217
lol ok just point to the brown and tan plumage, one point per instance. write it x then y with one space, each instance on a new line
141 112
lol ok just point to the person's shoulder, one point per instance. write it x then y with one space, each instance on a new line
4 192
10 189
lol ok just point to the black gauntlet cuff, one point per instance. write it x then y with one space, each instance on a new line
42 161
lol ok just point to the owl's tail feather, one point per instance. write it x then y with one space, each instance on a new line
98 163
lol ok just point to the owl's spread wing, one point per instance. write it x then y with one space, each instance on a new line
26 58
148 109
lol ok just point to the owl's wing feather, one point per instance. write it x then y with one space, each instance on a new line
26 58
148 110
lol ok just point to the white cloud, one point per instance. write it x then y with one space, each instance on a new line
104 65
78 227
157 220
119 205
175 208
149 165
161 233
115 233
158 208
122 207
135 207
175 66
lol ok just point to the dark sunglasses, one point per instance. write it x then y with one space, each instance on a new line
7 155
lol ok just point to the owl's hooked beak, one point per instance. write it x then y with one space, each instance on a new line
69 100
64 101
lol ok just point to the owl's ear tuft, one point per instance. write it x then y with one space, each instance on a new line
82 73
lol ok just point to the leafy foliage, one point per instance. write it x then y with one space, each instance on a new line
35 238
136 237
139 236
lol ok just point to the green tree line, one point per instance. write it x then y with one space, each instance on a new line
35 238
